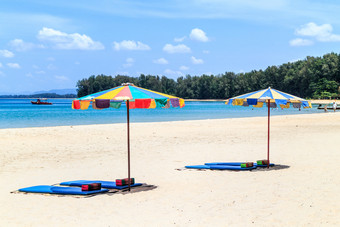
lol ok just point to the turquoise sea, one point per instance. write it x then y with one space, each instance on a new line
20 113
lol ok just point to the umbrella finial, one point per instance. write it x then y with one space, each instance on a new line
128 84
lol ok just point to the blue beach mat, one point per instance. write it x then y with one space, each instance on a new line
219 167
270 164
105 184
236 164
225 163
198 167
228 167
59 190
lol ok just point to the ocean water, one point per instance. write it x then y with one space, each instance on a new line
20 113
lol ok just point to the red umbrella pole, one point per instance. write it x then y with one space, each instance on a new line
128 139
268 132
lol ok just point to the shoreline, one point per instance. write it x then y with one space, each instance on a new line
179 121
313 101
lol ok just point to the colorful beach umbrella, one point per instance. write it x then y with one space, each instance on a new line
134 97
272 98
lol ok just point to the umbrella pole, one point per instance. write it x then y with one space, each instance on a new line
268 132
128 139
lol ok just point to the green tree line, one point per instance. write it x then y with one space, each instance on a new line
313 77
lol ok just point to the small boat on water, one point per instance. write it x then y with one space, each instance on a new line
41 102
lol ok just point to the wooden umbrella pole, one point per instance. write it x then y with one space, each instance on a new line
268 132
128 139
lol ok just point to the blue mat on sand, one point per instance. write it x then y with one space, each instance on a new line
270 164
105 184
198 167
235 164
59 190
219 167
224 163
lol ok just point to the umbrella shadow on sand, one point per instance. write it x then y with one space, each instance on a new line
275 167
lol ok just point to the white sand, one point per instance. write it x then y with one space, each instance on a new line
306 194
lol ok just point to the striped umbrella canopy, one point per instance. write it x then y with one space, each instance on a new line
134 97
273 98
142 98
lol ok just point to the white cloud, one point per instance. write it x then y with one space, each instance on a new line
0 65
301 42
62 40
184 68
130 45
178 40
206 52
196 61
13 65
129 62
181 48
123 73
62 78
311 29
51 67
20 45
161 61
169 72
322 33
198 35
6 53
295 60
2 74
40 72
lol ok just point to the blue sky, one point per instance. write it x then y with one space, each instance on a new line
53 44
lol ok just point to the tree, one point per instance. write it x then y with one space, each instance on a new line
312 77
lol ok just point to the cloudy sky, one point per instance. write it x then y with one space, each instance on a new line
53 44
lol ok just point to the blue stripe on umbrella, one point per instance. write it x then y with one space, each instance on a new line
305 104
281 101
267 93
138 93
252 101
248 94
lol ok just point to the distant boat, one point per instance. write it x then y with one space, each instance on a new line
41 102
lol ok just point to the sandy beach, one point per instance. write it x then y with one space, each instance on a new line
305 194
